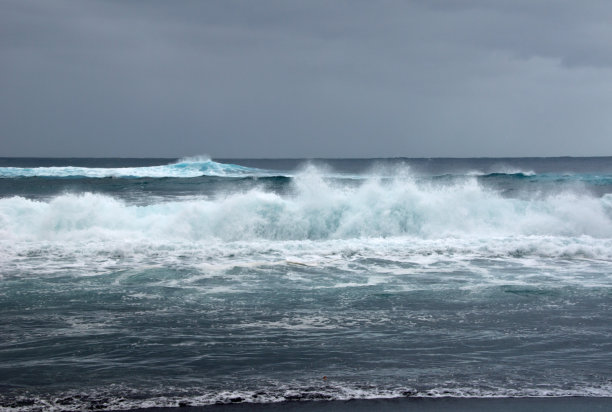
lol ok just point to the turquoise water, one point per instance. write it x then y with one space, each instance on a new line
154 282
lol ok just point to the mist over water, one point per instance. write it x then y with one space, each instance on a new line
251 281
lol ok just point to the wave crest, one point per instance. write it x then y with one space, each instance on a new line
316 209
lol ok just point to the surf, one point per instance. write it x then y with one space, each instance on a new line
315 208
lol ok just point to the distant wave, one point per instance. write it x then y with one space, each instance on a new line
594 179
191 167
519 175
503 172
187 167
530 175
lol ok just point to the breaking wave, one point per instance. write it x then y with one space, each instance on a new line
316 209
188 167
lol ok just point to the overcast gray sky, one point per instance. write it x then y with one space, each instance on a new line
305 78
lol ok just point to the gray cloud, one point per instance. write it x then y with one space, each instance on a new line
305 79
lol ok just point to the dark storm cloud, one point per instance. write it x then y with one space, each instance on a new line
301 79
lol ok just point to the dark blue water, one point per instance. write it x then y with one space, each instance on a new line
158 282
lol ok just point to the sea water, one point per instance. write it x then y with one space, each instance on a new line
131 283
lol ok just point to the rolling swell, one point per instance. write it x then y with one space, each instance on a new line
594 179
140 189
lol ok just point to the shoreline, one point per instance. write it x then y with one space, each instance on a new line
529 404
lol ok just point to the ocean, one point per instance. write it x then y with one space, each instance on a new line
142 283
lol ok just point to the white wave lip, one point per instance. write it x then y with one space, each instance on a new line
188 167
315 210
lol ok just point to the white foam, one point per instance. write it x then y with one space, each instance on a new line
394 263
283 393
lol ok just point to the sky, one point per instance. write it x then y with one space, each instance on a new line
303 79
